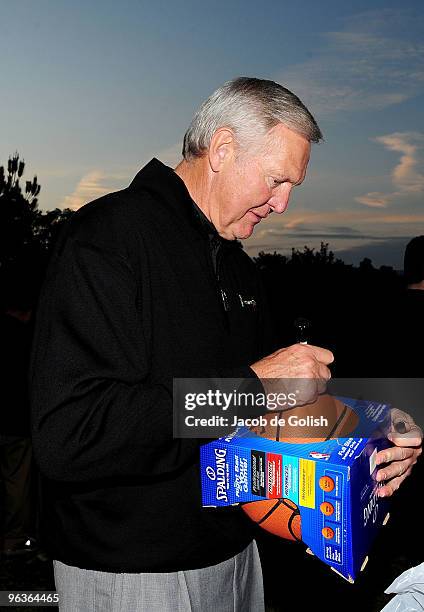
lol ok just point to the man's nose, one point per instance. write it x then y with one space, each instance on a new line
280 200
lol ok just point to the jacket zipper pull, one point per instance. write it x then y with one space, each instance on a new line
225 300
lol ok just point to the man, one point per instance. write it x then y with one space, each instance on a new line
146 285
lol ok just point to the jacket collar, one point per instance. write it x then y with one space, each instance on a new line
161 180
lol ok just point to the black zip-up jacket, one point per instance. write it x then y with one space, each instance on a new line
131 300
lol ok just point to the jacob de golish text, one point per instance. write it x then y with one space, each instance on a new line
261 421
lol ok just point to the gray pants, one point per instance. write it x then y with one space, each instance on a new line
234 585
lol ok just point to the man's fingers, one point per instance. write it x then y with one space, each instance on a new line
388 489
398 415
395 453
321 354
306 390
394 470
400 461
322 386
324 373
403 427
413 437
299 366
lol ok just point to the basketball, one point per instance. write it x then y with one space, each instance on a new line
281 516
325 419
278 516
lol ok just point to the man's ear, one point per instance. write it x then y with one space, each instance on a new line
221 149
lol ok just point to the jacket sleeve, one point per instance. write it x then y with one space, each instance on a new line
95 415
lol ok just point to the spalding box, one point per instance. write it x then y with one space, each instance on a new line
322 493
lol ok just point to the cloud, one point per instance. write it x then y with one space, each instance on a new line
354 219
358 232
97 183
323 233
92 185
345 230
387 250
295 222
383 252
291 222
375 199
366 65
406 175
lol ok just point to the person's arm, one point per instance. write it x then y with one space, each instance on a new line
95 414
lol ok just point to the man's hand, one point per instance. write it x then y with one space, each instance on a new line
407 437
299 361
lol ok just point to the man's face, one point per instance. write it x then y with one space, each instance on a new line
253 185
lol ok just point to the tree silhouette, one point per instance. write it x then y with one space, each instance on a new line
11 186
307 257
46 227
26 233
18 211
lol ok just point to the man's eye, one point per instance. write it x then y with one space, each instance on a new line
276 182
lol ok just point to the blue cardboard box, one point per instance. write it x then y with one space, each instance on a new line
331 482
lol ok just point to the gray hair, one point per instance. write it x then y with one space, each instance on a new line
250 107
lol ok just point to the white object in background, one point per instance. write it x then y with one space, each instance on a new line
409 587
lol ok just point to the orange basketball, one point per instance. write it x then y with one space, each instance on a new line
335 419
281 516
278 516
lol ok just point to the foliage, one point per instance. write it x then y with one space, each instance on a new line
26 233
